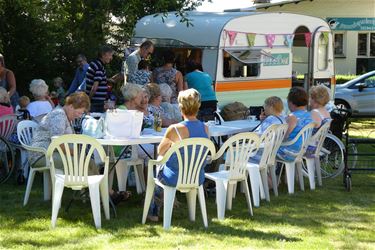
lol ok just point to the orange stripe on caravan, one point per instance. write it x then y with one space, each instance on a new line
253 85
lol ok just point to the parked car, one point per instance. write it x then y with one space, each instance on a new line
357 94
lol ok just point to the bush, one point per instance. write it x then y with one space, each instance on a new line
340 79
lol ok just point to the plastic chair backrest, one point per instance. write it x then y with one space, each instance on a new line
318 138
305 134
79 149
7 125
191 155
25 132
278 139
239 148
267 142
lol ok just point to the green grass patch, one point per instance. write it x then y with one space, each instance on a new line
327 218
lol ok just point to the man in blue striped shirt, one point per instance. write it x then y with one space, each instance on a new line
96 79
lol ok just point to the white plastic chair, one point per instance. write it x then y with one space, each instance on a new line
239 148
25 131
7 152
123 168
191 154
290 167
254 169
8 124
271 162
313 164
78 151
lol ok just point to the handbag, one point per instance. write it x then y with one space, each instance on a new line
123 123
93 127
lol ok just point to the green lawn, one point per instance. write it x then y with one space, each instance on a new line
327 218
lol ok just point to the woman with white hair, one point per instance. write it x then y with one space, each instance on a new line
43 103
5 107
171 111
133 95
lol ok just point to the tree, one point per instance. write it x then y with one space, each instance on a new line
40 38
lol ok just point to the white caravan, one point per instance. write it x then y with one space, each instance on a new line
249 55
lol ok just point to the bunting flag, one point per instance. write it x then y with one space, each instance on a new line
289 40
250 39
232 35
270 38
325 36
308 39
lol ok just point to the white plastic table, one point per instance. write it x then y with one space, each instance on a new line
232 127
149 136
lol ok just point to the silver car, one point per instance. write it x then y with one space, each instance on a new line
357 94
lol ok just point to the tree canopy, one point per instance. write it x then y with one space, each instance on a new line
41 38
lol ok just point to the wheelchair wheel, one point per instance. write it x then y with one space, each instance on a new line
332 157
7 160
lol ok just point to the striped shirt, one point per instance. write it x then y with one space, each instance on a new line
96 73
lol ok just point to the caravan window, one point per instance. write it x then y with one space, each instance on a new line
322 52
241 63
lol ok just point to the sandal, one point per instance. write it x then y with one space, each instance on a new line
153 218
117 197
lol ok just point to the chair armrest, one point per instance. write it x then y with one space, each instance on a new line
288 143
151 163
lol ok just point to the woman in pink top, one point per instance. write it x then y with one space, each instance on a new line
5 107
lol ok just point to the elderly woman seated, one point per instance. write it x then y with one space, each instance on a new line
5 107
171 111
154 106
189 103
58 122
43 103
136 98
133 96
296 120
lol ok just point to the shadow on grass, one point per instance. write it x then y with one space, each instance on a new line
313 211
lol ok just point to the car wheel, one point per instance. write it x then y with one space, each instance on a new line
341 104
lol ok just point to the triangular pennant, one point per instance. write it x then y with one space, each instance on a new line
308 39
325 36
232 35
250 39
270 38
289 40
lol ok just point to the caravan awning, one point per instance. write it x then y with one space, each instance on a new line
248 55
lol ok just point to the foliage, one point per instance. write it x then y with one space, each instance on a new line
340 79
40 39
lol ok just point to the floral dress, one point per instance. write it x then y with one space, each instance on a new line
169 77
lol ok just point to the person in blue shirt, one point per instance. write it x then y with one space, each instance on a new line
190 127
79 75
297 120
202 82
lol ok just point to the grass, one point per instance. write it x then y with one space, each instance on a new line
327 218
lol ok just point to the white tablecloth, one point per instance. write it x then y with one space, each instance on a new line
149 136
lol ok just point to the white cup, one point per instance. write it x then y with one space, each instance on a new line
252 118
